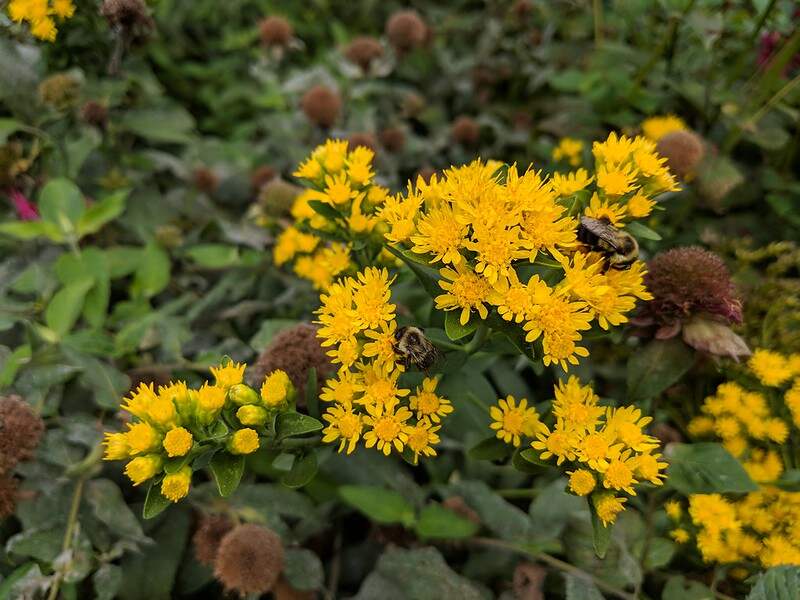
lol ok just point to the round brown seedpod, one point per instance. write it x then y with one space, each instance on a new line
284 591
465 131
20 432
683 150
95 113
363 138
275 31
521 9
126 14
205 180
393 138
8 495
208 535
296 351
261 175
249 560
413 104
277 197
321 105
528 581
362 51
406 30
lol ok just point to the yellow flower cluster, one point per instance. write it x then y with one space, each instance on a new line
655 128
176 424
605 448
342 180
751 427
478 225
762 528
357 322
41 15
569 150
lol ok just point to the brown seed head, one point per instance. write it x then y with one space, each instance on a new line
208 535
362 51
465 131
8 495
321 105
261 175
95 113
275 31
363 138
205 180
127 14
683 150
393 138
406 30
277 197
20 432
249 560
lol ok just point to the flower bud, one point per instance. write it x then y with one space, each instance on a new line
142 468
116 446
178 442
242 394
277 390
252 415
243 441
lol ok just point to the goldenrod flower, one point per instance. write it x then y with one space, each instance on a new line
654 128
568 149
140 400
254 416
359 165
276 389
228 374
771 368
558 443
142 468
576 406
581 482
428 404
178 442
381 348
161 412
512 420
422 437
464 290
649 468
371 298
626 424
344 425
496 246
681 536
116 446
341 390
596 450
210 400
608 506
440 234
142 438
379 385
243 441
175 486
619 474
388 428
639 206
570 183
616 182
673 509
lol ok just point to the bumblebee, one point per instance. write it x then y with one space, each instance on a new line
413 348
619 248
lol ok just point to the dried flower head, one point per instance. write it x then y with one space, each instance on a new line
61 91
688 281
321 105
208 535
393 138
465 131
129 15
249 560
275 31
683 150
261 175
363 138
406 30
8 495
205 180
20 432
95 113
295 351
362 50
277 197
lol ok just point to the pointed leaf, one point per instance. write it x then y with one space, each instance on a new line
155 503
227 470
100 213
290 424
303 470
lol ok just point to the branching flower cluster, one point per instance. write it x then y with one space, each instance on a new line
41 15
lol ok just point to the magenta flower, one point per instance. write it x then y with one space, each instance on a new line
26 210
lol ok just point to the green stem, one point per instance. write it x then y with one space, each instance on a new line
556 564
481 333
761 21
72 521
597 9
518 493
667 42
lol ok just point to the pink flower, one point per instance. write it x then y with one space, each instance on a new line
26 210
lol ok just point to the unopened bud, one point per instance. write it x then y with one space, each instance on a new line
243 394
252 415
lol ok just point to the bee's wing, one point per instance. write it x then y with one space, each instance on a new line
603 230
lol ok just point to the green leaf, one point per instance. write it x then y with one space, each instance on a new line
497 514
10 365
778 583
108 505
436 521
155 503
491 448
214 256
706 468
123 260
428 277
61 203
680 588
107 581
641 231
290 424
103 380
152 274
27 230
379 504
168 125
532 456
453 327
65 306
304 468
227 470
7 584
326 210
657 366
7 127
581 588
303 570
601 534
100 213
